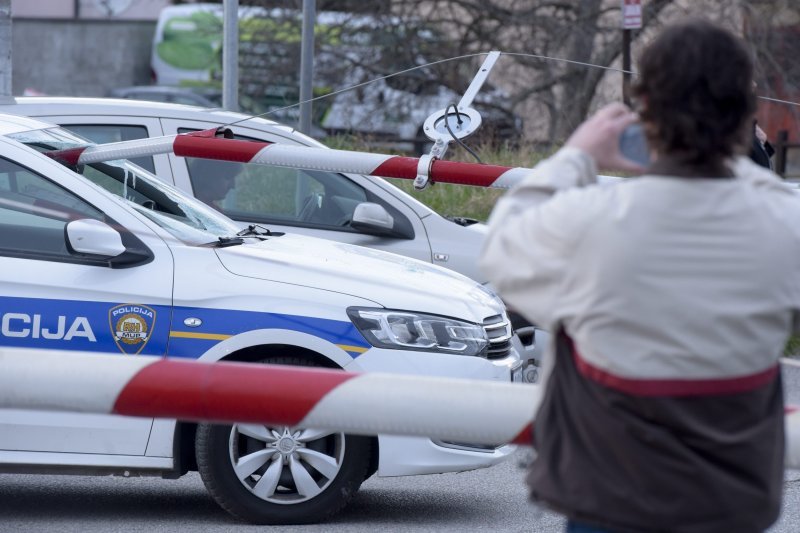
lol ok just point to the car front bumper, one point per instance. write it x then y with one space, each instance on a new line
406 456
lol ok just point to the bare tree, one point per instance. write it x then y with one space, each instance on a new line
557 53
772 30
582 31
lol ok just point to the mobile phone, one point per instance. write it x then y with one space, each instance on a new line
633 145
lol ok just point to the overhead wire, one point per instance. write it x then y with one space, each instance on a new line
456 58
356 86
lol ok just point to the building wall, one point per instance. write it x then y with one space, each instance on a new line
72 57
94 9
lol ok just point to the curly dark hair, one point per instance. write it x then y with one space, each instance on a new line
695 87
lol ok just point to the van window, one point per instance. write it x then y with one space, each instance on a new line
112 133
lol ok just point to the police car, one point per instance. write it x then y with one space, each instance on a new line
118 262
276 196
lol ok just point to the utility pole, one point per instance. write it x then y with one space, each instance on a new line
5 50
631 19
230 55
307 64
626 67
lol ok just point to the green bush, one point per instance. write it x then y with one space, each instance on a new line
792 348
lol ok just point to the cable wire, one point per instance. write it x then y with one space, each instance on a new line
455 58
453 135
777 100
537 56
352 87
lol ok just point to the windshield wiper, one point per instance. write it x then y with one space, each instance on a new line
223 242
254 230
260 232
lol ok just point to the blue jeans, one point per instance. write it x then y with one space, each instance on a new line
578 527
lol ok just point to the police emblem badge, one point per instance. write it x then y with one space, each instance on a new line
131 326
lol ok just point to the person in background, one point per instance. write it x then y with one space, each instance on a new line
761 151
212 180
669 297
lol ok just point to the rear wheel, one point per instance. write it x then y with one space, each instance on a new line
280 475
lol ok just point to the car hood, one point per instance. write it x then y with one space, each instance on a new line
480 228
389 280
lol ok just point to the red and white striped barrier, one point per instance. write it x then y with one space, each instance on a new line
205 144
461 410
369 404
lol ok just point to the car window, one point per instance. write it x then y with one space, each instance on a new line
186 218
34 212
112 133
190 221
263 193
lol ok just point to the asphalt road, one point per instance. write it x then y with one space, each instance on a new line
486 500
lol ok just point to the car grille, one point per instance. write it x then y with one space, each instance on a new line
498 330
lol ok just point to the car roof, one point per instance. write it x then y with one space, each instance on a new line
10 124
78 105
54 106
169 89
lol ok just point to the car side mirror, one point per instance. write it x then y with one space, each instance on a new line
372 218
94 237
98 239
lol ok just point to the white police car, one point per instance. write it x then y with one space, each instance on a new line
118 262
276 196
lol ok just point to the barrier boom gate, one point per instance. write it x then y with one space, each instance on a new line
482 412
218 144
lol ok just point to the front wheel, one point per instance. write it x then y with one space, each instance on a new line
280 475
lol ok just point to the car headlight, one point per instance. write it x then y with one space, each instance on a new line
408 330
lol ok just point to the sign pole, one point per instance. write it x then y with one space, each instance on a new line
626 67
307 64
631 11
230 56
5 51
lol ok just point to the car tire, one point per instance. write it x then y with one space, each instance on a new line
277 475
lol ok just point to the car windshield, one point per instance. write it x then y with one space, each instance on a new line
189 220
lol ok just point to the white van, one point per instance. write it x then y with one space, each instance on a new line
275 197
116 261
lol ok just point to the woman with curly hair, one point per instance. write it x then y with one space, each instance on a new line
669 296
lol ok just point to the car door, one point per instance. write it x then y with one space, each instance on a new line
53 299
315 203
